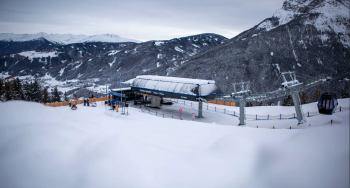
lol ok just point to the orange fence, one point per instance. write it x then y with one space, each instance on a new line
226 103
58 104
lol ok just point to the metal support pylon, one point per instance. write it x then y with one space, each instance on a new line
241 97
200 109
298 108
241 112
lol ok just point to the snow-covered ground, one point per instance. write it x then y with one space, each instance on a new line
94 147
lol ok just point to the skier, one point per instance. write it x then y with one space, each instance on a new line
193 117
87 102
84 102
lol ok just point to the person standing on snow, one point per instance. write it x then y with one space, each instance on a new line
84 102
87 102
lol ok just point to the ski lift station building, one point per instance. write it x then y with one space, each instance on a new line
179 88
172 87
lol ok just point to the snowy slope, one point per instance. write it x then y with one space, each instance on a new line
64 38
90 147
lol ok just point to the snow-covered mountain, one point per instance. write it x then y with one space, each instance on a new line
310 37
64 38
325 15
113 60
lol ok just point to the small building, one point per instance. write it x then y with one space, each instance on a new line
178 88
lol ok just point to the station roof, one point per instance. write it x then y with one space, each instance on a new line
121 89
184 88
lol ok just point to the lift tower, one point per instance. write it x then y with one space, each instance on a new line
290 86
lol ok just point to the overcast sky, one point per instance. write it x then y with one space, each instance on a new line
137 19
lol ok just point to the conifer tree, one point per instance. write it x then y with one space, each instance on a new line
1 88
46 97
65 96
36 92
55 95
8 91
27 91
17 90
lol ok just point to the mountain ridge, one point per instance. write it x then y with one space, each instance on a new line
64 38
114 60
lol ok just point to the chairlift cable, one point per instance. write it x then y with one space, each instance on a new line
254 90
300 74
277 80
